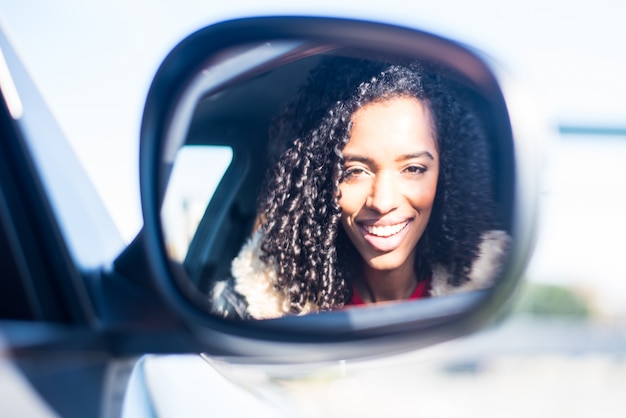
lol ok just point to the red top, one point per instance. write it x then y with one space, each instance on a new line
421 291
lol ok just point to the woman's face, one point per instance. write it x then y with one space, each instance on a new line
390 181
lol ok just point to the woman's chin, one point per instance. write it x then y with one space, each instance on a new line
387 262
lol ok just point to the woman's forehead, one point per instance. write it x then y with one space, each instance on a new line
402 125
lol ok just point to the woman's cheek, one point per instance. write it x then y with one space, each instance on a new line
353 196
421 191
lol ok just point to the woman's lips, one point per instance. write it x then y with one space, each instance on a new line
385 238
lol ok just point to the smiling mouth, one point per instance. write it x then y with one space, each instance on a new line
385 231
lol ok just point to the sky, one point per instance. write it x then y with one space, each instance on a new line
94 61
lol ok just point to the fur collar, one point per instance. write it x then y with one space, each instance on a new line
255 279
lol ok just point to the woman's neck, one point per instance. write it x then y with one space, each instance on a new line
386 285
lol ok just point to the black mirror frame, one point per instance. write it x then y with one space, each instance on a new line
334 335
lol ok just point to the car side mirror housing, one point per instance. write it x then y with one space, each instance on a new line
207 144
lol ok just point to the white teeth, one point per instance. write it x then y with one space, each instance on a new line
385 231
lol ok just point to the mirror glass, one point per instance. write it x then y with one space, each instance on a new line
303 177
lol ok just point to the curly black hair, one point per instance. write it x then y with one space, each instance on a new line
302 236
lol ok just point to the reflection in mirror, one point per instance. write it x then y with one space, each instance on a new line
196 174
323 179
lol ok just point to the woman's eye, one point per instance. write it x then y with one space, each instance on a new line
353 172
415 169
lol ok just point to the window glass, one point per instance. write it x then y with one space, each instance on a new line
196 173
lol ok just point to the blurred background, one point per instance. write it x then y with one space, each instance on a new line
560 350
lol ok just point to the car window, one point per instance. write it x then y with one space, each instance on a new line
196 173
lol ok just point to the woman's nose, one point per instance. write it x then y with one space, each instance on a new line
384 194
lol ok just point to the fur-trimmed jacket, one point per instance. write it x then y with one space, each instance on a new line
250 292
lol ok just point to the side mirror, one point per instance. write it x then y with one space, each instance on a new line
206 147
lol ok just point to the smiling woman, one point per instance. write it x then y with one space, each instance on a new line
381 189
387 194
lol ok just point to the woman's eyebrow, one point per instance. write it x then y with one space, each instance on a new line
413 155
404 157
357 158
